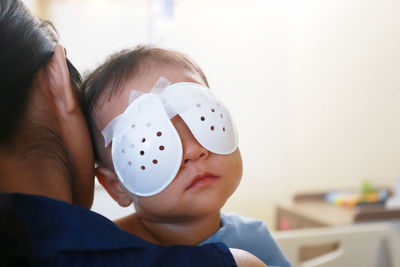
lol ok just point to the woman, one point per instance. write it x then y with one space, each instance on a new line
46 164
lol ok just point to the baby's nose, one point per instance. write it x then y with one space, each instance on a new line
193 151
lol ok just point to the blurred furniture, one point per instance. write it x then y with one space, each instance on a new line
366 244
300 215
310 210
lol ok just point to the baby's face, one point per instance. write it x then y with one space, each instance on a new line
205 180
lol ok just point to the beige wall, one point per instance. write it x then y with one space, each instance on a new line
313 85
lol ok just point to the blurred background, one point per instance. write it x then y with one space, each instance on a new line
314 86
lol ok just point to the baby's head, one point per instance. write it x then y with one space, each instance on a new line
197 181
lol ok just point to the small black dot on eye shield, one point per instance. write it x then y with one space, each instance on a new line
159 133
212 128
221 115
212 110
129 163
161 147
142 152
198 105
202 118
133 126
155 161
223 129
143 167
143 140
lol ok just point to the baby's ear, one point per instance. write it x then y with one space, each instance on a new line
110 182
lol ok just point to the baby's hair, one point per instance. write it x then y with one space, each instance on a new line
111 77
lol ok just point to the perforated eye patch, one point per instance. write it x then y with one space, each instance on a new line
146 147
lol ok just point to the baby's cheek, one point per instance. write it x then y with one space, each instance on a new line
237 160
155 206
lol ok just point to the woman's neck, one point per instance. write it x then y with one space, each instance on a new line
190 232
43 180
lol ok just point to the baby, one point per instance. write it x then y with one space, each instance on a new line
164 142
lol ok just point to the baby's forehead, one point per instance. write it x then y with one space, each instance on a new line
111 105
115 100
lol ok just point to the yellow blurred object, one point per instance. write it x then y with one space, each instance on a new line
370 197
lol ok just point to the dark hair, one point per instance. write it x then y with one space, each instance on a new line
110 77
26 44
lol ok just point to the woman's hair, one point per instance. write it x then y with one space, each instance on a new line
26 44
110 77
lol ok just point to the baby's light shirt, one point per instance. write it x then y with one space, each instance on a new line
250 235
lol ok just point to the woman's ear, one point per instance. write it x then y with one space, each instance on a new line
59 82
109 180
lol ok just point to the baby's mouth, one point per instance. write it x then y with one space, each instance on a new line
202 180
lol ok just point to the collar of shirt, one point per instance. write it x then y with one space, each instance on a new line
54 225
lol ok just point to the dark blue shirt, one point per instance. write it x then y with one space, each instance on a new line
61 234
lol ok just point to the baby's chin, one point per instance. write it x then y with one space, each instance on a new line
156 208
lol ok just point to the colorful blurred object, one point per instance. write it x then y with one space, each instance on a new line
350 198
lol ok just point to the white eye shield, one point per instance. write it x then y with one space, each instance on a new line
146 147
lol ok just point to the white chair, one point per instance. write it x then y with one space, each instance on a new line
366 245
